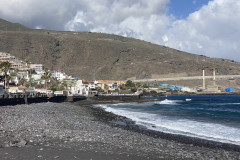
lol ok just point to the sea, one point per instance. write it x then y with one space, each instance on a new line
209 117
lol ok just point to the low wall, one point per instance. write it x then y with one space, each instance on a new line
15 99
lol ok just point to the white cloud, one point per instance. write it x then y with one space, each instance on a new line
137 18
213 30
48 14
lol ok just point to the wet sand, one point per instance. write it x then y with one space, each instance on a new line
70 131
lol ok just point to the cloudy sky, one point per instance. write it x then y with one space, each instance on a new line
207 27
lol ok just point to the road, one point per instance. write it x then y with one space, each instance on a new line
187 78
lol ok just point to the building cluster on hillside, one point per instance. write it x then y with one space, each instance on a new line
22 73
26 75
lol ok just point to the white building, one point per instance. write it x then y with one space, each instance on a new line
77 87
37 67
36 76
187 89
6 57
59 75
91 86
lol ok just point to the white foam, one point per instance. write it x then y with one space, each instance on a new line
209 131
169 102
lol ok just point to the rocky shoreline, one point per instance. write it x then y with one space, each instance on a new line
70 131
125 123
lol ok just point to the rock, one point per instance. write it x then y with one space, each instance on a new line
6 145
21 143
13 143
39 156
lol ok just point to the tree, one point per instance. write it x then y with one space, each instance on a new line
64 85
145 86
130 84
22 81
46 76
54 83
5 67
8 78
30 83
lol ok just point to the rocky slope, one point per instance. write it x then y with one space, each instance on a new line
105 56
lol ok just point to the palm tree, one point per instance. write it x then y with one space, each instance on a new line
5 67
22 81
46 76
64 85
8 79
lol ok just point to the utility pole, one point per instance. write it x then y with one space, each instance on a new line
204 79
214 79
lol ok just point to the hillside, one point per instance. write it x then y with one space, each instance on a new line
105 56
7 26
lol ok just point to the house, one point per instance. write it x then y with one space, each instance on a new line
190 90
6 57
212 89
91 86
36 76
59 75
17 64
77 87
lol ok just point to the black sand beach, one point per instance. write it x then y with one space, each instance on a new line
70 131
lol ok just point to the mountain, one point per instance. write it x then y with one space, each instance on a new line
105 56
7 26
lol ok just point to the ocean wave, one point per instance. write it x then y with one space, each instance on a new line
205 130
169 102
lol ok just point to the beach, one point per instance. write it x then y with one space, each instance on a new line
78 131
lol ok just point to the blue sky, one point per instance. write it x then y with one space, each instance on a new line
182 8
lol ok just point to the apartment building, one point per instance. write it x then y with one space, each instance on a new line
36 67
6 57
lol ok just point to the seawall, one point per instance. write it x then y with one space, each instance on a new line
15 99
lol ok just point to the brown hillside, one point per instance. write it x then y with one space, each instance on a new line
104 56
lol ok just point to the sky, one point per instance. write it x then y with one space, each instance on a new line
205 27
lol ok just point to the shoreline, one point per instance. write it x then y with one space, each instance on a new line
128 124
72 131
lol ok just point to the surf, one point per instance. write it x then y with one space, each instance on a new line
201 117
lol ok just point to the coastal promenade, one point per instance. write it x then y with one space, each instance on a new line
187 78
